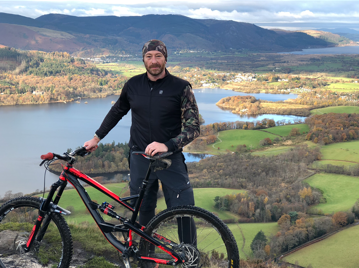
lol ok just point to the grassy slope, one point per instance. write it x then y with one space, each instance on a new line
319 164
343 87
336 109
285 130
204 197
340 191
71 198
129 69
251 138
339 154
337 251
273 151
344 151
250 230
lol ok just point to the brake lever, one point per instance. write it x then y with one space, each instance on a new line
43 161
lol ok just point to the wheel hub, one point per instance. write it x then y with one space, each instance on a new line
192 255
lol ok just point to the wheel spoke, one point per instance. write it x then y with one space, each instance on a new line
199 235
18 217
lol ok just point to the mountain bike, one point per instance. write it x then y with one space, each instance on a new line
34 232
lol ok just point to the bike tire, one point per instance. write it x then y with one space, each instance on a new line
214 245
17 218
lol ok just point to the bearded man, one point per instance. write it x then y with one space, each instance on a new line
164 118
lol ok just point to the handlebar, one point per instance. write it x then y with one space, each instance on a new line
82 151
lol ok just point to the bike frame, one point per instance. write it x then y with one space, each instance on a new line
130 226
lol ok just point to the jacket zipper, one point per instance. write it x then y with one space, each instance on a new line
149 112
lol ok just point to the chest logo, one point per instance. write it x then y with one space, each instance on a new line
160 92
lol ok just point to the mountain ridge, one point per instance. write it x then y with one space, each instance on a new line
179 32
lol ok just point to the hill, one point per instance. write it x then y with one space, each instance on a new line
330 37
111 34
338 250
346 32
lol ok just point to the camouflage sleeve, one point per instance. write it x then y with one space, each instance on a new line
189 118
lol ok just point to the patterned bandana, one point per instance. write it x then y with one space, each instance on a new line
155 45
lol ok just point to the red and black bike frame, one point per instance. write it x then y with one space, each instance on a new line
74 176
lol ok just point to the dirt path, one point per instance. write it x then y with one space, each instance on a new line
217 142
338 160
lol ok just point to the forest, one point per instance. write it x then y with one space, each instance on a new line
108 158
333 127
38 77
301 106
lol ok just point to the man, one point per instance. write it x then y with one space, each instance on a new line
164 118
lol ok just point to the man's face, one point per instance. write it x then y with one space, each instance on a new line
155 62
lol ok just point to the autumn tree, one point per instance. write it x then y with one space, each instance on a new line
340 219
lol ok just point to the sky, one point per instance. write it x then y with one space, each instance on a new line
267 13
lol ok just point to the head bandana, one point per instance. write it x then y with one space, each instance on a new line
155 45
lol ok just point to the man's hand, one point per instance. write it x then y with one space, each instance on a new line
91 145
156 147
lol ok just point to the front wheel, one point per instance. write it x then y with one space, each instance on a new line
17 218
192 232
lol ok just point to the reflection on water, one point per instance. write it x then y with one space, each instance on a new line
195 157
328 50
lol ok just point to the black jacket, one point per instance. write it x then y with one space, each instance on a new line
163 111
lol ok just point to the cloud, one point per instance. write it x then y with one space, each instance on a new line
123 11
257 12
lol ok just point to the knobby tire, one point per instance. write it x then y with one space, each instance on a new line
17 217
214 245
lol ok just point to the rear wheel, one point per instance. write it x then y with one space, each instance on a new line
17 218
194 232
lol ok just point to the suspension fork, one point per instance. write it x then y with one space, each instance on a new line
43 211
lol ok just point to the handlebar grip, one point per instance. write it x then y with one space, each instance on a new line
48 156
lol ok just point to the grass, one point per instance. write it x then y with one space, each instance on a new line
80 214
343 87
273 151
343 151
276 150
204 198
250 230
232 138
340 191
337 251
285 130
319 164
127 69
337 109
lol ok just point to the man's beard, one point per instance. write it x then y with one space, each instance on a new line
155 72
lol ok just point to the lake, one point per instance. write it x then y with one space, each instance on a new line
327 50
29 131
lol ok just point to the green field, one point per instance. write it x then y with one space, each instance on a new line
340 191
341 78
273 151
343 151
337 251
343 87
276 150
285 130
249 231
204 197
337 109
127 69
232 138
320 164
71 198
